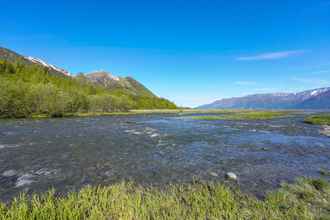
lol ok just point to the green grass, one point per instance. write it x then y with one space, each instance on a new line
226 114
244 115
129 112
149 111
324 172
306 199
95 114
322 119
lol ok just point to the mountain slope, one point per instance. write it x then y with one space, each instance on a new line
48 66
319 101
11 56
311 99
112 82
31 86
140 96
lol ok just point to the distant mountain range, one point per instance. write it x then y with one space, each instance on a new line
311 99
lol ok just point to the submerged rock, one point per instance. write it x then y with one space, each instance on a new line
231 176
213 174
108 173
2 146
154 135
9 173
325 130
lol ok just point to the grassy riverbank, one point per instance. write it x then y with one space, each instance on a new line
215 114
322 119
95 114
130 112
244 115
306 199
180 111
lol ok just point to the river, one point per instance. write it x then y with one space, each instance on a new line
67 154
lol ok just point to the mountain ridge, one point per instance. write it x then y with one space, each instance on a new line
113 82
32 86
12 56
309 99
103 78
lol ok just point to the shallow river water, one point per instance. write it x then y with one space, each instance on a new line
67 154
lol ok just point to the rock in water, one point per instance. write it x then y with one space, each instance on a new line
9 173
213 174
231 176
326 131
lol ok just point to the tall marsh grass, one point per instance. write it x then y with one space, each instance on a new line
306 199
245 115
322 119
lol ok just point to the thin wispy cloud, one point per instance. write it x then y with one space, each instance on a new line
263 90
320 72
245 83
313 81
271 55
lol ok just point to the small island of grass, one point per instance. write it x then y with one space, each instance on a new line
244 115
321 119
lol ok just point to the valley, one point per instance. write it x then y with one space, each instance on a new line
69 139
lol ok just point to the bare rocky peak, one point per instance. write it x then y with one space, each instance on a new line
102 75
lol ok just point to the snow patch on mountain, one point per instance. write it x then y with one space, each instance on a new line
43 63
319 91
310 99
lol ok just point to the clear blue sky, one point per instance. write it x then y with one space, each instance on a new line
191 52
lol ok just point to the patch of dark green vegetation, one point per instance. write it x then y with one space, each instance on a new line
324 172
244 115
321 119
306 199
27 90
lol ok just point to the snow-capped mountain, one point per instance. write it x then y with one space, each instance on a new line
47 65
311 99
11 56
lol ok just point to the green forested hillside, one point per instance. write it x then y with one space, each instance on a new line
27 89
